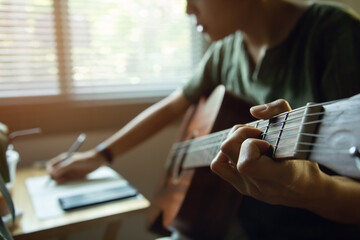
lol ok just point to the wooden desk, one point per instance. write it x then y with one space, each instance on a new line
30 227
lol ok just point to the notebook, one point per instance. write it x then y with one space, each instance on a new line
52 200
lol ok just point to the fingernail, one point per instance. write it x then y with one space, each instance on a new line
259 108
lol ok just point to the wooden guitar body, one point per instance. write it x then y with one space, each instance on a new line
196 202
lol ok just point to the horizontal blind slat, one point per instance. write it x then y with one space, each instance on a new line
27 49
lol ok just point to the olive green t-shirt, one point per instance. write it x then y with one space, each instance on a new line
318 61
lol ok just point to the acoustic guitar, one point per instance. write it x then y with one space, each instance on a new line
194 201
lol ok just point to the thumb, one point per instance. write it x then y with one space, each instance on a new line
269 110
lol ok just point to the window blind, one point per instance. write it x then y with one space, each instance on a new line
28 64
95 49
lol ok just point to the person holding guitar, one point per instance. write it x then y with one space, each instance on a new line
244 162
262 50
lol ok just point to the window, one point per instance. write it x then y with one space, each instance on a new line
94 49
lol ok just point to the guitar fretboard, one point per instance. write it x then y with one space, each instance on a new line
327 136
282 132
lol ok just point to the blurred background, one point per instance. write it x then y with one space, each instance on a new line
72 66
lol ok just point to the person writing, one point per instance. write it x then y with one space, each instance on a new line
262 50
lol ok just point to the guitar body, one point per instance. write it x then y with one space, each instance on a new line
196 202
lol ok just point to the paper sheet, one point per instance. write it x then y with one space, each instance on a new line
44 194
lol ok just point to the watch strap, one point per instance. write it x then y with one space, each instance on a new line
105 152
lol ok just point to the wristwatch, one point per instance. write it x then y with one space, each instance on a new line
105 152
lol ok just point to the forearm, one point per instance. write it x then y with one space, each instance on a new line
336 198
147 123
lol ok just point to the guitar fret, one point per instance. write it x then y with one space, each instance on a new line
280 133
204 149
266 130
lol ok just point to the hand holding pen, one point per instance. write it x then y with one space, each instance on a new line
74 147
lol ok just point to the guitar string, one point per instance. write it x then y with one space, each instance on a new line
215 136
329 152
348 100
305 134
302 109
217 145
205 160
225 132
296 127
309 115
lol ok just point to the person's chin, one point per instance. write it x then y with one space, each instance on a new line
210 36
207 37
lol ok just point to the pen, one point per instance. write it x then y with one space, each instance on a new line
74 147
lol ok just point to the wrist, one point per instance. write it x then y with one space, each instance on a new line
105 153
317 194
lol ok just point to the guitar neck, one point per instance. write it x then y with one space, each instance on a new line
302 133
201 151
